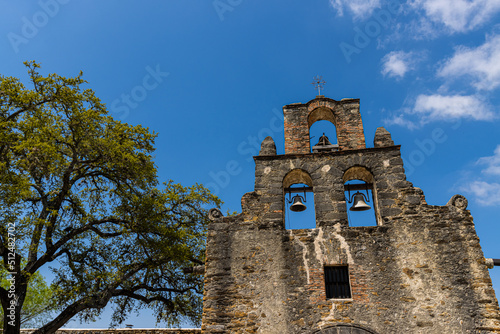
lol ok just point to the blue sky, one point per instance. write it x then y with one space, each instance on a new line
211 77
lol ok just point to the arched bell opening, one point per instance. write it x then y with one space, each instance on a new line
361 197
322 130
298 200
323 137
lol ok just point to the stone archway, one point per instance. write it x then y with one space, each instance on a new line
344 329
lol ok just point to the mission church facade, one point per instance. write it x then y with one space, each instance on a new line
419 269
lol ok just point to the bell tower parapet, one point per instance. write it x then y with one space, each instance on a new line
343 114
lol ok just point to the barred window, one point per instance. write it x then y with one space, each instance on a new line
337 282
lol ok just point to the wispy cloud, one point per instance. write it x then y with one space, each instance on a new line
436 107
360 8
486 194
481 64
444 107
492 163
427 18
456 15
398 63
401 120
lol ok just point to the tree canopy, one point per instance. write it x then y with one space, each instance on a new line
79 192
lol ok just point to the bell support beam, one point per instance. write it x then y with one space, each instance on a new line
490 263
298 190
357 187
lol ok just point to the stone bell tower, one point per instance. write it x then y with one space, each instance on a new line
419 269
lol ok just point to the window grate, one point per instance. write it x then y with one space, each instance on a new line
337 282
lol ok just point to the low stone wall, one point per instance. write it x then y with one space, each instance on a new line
122 331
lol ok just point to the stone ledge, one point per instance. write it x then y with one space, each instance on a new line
342 152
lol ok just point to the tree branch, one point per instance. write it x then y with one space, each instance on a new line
105 234
55 205
73 309
146 287
130 294
49 254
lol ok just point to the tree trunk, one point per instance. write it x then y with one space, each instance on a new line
13 304
63 318
12 319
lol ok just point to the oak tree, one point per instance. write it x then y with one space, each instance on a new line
79 193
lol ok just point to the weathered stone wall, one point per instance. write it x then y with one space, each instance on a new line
420 270
343 114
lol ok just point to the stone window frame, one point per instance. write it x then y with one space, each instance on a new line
349 281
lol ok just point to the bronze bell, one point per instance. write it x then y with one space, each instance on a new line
359 203
297 205
324 145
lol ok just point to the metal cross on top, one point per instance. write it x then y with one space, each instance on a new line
318 83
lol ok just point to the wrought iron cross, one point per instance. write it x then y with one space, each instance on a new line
318 83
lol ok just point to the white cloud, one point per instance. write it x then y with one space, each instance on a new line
492 163
436 107
481 63
442 107
457 15
487 194
398 63
360 8
401 121
425 19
